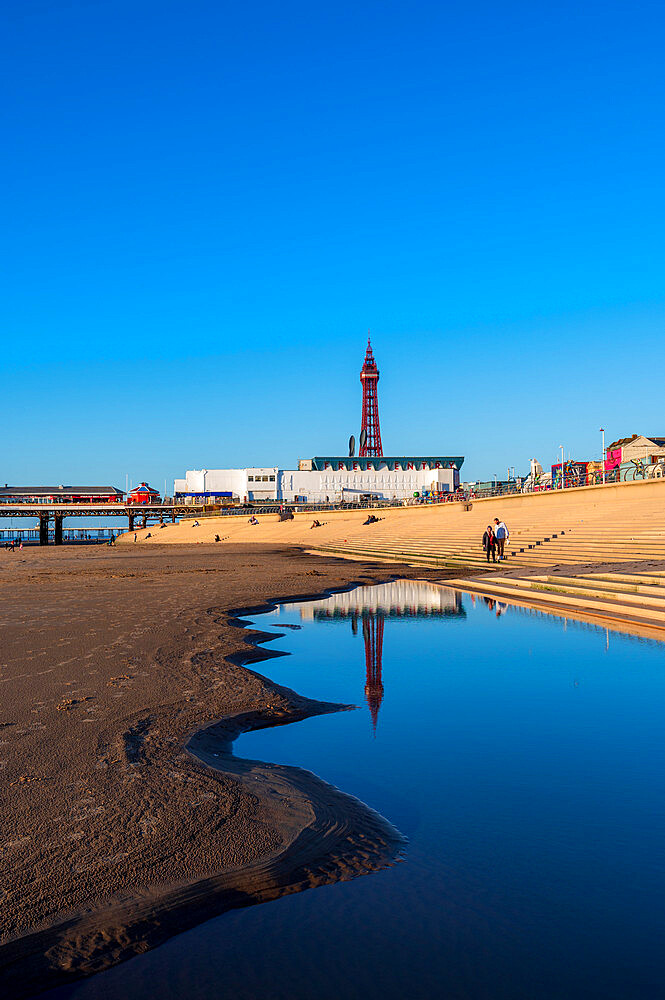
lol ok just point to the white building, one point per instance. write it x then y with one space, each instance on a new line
398 599
320 479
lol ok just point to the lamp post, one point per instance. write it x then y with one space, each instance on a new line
602 431
562 467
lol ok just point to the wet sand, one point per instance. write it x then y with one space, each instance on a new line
124 817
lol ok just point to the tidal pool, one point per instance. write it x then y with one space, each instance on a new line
523 756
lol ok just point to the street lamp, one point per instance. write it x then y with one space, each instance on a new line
602 431
562 475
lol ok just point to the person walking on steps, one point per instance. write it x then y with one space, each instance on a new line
489 543
501 532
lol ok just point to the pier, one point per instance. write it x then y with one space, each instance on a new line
82 536
55 514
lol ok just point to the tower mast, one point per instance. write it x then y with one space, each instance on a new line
369 377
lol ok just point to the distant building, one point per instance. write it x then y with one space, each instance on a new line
636 447
143 494
537 479
333 478
60 494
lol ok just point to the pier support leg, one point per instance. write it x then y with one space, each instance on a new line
145 521
43 530
131 522
173 518
57 534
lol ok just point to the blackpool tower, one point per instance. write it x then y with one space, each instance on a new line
370 435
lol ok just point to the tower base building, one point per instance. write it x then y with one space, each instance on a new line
331 479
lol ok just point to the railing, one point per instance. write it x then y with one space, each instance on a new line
627 473
505 489
278 507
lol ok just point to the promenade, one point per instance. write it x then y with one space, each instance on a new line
595 552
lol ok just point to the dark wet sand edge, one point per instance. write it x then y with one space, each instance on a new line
328 836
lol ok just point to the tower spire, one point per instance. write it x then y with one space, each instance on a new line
369 377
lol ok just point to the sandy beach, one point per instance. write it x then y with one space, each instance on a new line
124 817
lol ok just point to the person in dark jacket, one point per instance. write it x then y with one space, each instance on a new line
501 535
489 543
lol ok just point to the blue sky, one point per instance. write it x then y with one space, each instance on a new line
207 204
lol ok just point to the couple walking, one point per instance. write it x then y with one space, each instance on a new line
495 538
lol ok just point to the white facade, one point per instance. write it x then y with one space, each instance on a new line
313 486
399 598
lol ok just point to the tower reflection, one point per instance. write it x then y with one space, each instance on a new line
371 607
373 636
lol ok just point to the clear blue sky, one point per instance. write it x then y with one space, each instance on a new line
206 205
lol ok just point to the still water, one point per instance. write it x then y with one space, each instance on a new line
522 756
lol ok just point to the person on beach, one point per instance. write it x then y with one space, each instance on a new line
134 536
217 538
501 533
489 543
253 520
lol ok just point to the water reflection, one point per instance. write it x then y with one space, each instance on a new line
628 631
372 606
373 636
524 758
399 599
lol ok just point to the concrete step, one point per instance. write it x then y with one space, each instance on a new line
412 559
589 593
540 556
557 548
597 608
653 578
428 545
610 585
395 551
625 547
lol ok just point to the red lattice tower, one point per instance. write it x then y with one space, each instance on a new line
373 636
369 377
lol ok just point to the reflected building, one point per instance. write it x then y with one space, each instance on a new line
370 607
